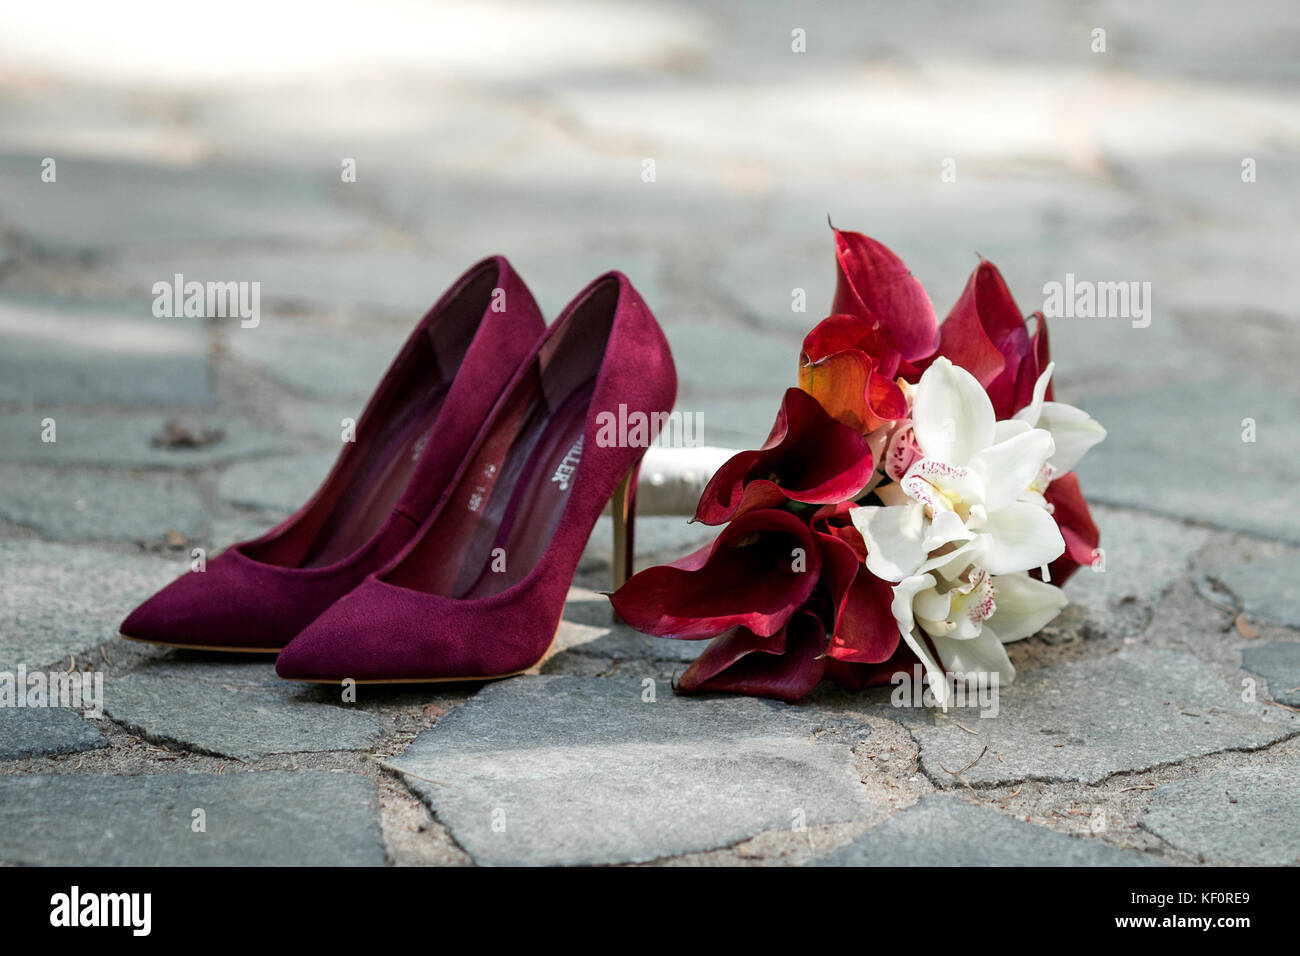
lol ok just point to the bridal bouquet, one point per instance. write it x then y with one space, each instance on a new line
914 501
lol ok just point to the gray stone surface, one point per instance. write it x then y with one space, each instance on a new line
1243 815
1144 556
85 353
336 364
1265 590
658 539
1085 720
947 831
1161 436
85 506
276 484
331 280
243 723
86 437
575 770
61 599
1279 664
590 627
228 168
34 731
307 818
148 204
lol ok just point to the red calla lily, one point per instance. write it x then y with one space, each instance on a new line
1077 528
760 570
985 334
785 666
808 457
1033 365
876 286
837 367
865 631
861 676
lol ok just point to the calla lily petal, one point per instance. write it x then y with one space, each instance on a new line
846 379
808 457
785 666
865 631
985 333
760 570
874 284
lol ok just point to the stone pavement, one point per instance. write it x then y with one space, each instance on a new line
1154 722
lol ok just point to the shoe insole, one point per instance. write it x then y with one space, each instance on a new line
508 504
375 483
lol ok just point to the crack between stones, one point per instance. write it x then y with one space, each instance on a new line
939 782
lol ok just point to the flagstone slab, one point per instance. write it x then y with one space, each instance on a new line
581 770
61 599
272 818
948 831
1242 815
1087 719
36 731
1265 590
234 722
133 440
84 506
1279 664
1160 437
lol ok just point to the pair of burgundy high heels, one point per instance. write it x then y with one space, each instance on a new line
442 544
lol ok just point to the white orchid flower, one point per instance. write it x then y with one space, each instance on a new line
966 490
968 621
960 529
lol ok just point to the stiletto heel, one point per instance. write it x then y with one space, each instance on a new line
623 509
479 591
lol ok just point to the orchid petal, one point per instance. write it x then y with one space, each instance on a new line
1031 411
1009 467
982 655
1070 512
895 539
1074 432
951 414
1023 606
1019 537
904 593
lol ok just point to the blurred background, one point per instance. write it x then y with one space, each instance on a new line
210 140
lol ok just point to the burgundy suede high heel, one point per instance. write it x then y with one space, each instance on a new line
479 591
256 595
